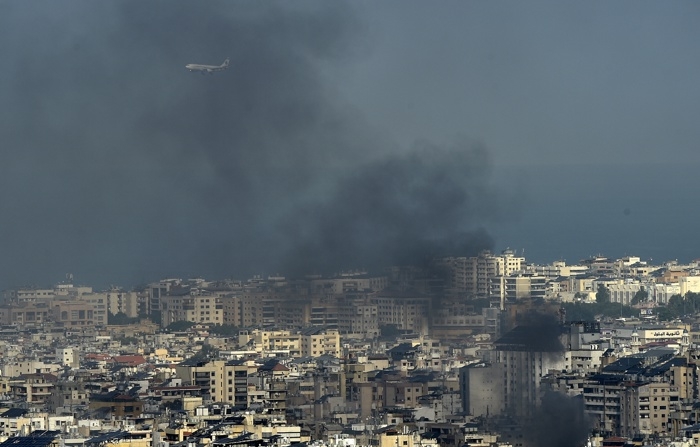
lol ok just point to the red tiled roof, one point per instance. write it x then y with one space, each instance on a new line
129 360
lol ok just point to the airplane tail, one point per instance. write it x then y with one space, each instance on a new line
225 64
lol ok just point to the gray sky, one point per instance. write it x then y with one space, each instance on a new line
539 82
343 135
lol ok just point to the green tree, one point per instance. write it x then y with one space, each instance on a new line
641 296
579 296
128 340
693 300
664 314
208 352
579 311
389 331
676 306
224 329
679 306
179 326
120 319
589 311
602 295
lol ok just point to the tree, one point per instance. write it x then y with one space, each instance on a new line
602 295
224 329
589 311
128 340
389 331
207 353
676 306
178 326
693 300
120 318
639 297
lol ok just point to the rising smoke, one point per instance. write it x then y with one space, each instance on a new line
119 165
403 209
559 421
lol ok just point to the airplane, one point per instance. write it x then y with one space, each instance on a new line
207 68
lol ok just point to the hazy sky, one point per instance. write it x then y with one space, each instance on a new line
539 82
344 134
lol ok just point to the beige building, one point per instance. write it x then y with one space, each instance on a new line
220 381
100 305
73 314
316 342
406 311
114 302
33 296
646 408
34 389
312 342
357 314
25 367
201 309
245 310
25 315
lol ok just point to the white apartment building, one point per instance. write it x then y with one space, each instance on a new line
623 290
689 284
473 275
518 286
558 269
661 293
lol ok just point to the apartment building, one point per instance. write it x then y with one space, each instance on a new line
35 389
405 310
623 290
310 342
25 315
481 389
348 282
518 286
645 408
100 305
204 309
32 295
219 380
514 370
68 396
73 314
242 310
316 342
641 393
357 314
473 275
255 308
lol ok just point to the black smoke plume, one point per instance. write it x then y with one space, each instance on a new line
118 165
404 209
533 330
559 421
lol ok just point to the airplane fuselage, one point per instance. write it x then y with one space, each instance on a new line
207 68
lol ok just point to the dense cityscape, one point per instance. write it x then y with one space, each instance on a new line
282 224
488 350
